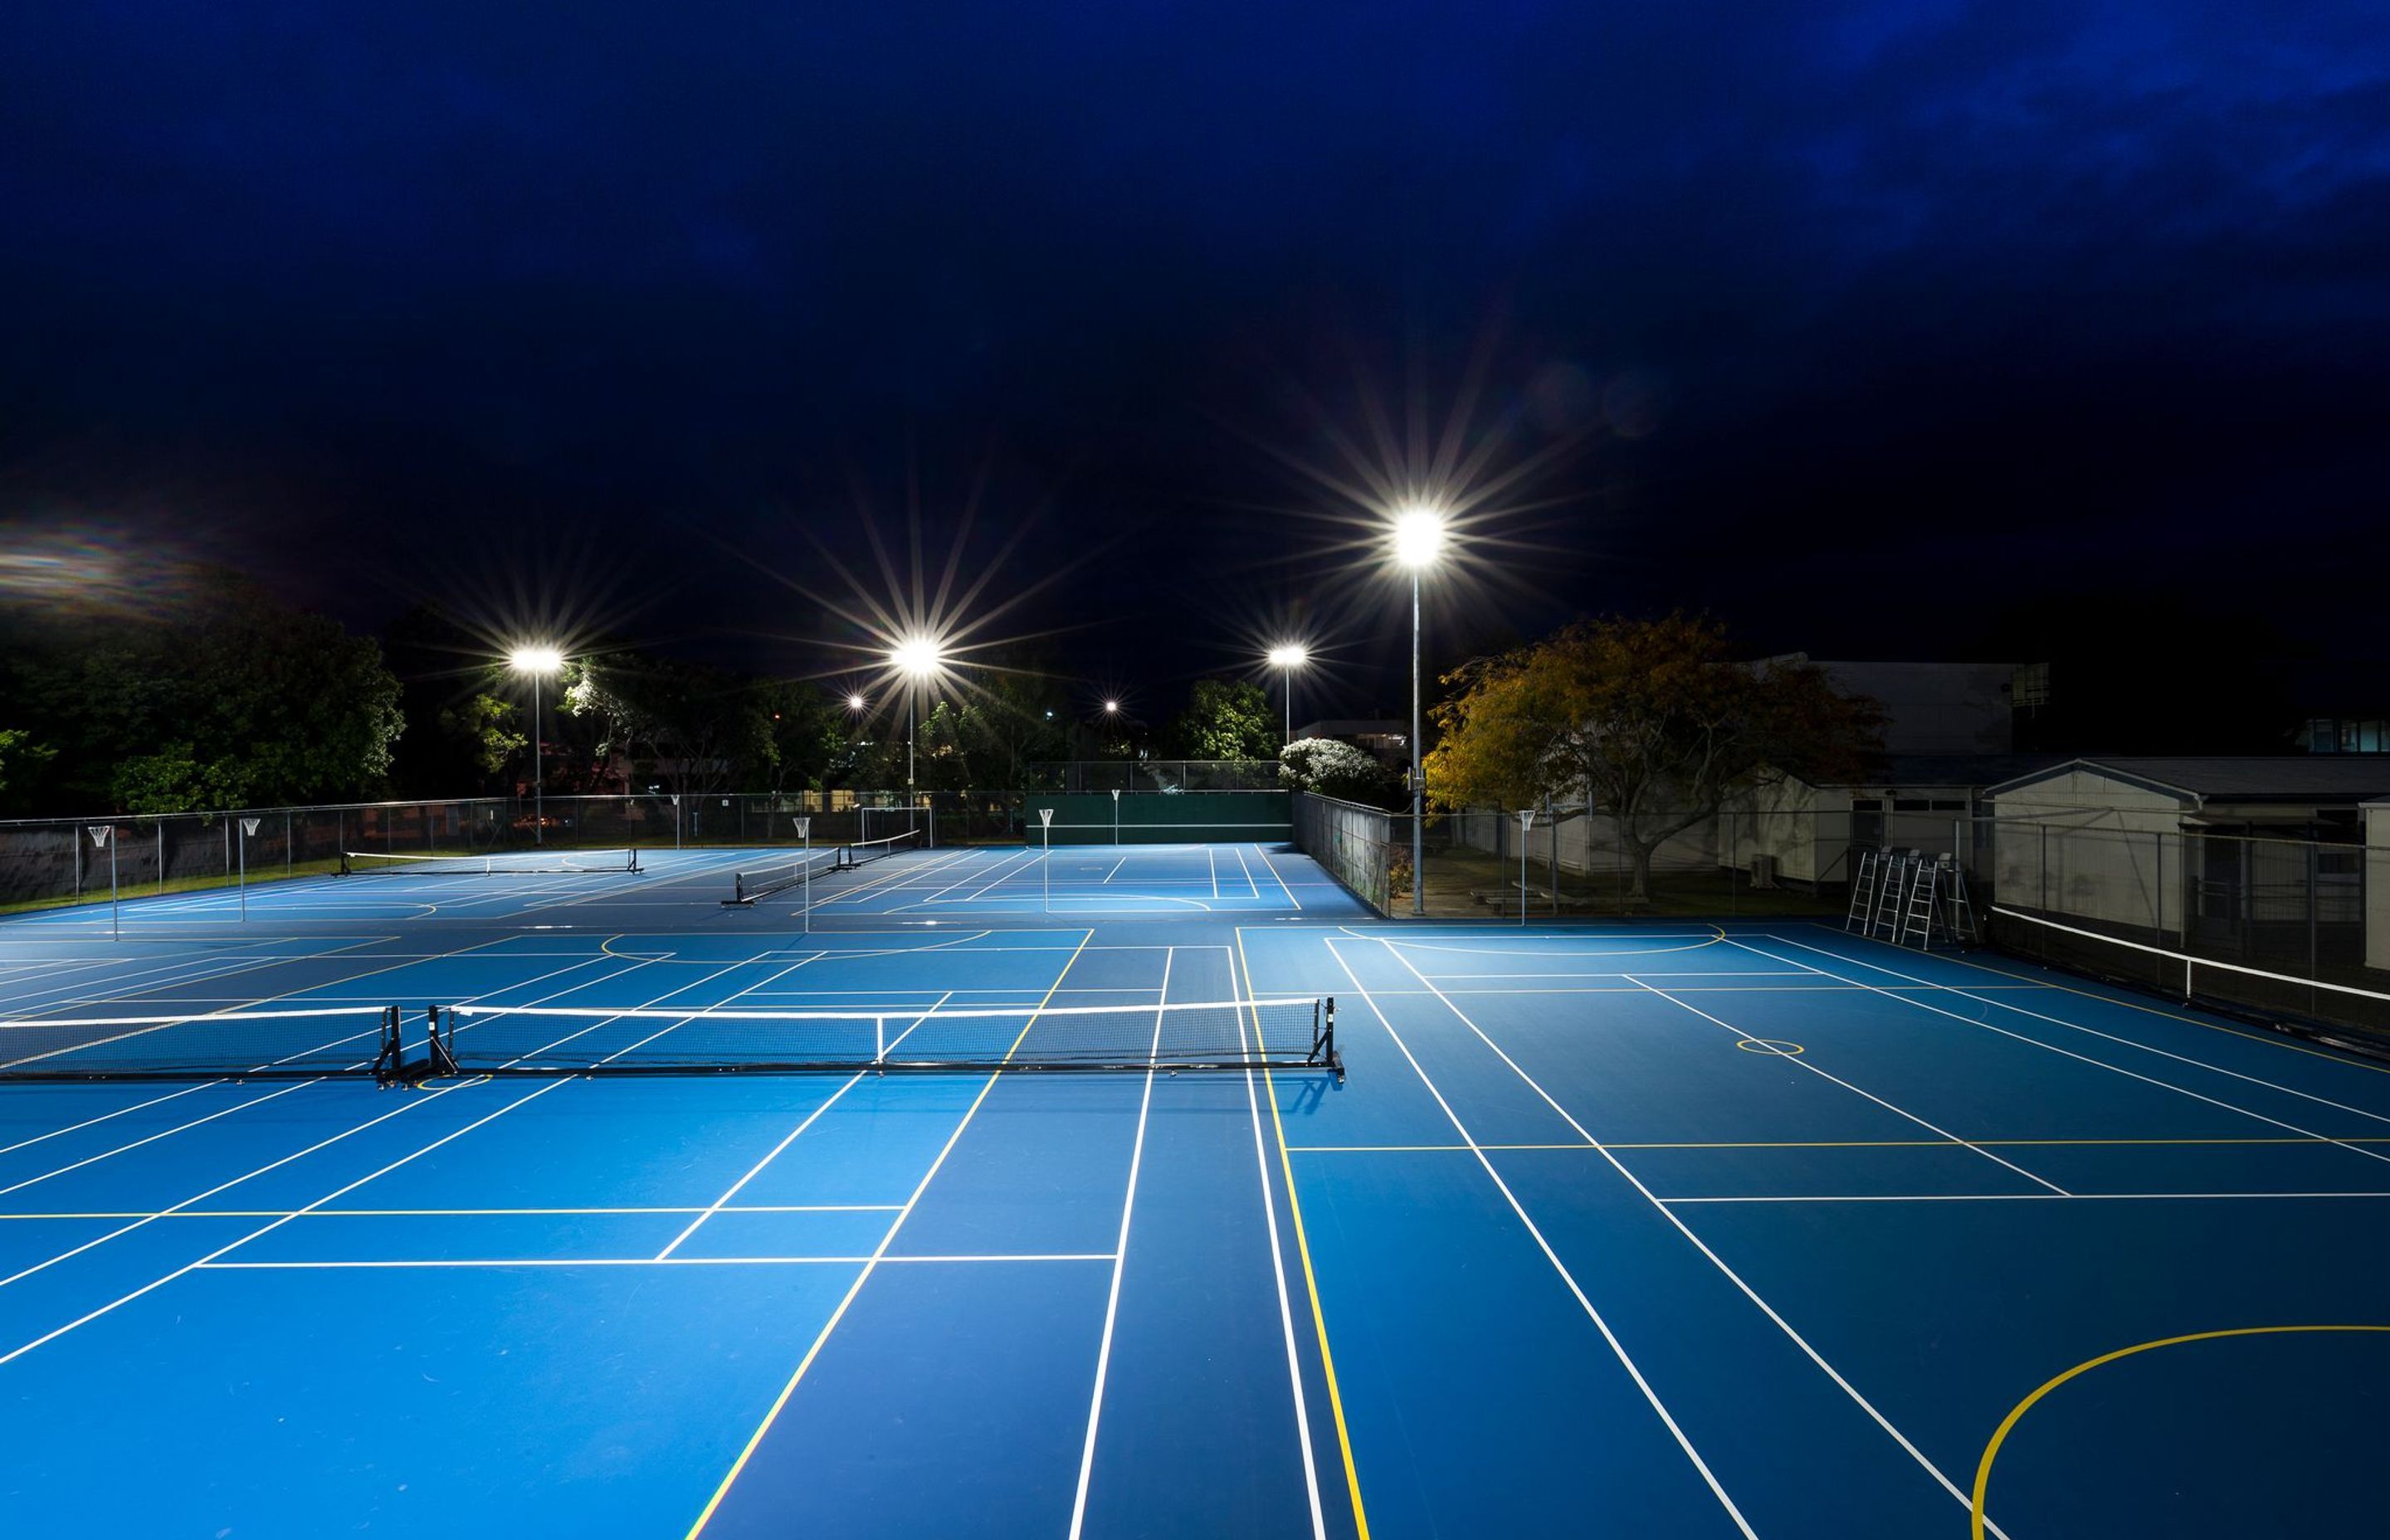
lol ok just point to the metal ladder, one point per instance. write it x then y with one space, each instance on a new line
1863 886
1900 870
1918 916
1959 910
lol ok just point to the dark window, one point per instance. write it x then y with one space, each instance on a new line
1911 804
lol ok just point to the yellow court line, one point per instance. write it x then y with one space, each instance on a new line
1310 1278
1991 1451
2275 1039
781 1401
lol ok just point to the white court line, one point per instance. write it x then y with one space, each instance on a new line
2104 1064
1804 1062
630 1208
879 1254
717 1205
129 1228
1895 991
207 1084
918 1019
647 1261
2018 1197
1240 987
1120 1257
1617 1348
1271 866
424 1101
1963 1499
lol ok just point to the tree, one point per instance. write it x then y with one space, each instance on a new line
22 760
490 726
1329 768
223 696
1225 719
1652 723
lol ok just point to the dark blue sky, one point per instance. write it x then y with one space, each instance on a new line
2001 303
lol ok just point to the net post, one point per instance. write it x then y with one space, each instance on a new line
442 1057
879 1040
386 1059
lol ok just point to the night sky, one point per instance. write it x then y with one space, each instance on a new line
1895 333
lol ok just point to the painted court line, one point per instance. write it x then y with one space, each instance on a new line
849 1261
1895 992
1898 1111
755 1170
879 1254
1240 985
1120 1254
1750 1293
411 1104
1617 1348
2118 1069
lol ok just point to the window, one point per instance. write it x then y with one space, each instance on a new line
1866 804
1944 804
1911 804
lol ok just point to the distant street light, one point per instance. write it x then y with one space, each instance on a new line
1286 659
1418 537
855 702
540 662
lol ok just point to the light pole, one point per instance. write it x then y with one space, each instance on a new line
1418 540
539 663
917 657
1286 659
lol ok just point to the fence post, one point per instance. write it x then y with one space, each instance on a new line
162 855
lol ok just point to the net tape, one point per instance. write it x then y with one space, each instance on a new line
494 863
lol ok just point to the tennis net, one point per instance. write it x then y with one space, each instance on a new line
299 1043
748 886
2352 1010
534 862
536 1039
862 852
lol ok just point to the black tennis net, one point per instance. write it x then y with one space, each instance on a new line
862 852
549 1040
534 862
747 887
299 1043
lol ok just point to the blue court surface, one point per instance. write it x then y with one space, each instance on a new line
1661 1229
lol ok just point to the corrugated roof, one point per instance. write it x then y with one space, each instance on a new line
2239 777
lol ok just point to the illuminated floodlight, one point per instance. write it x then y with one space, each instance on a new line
1418 535
1291 655
535 660
1111 706
855 703
917 656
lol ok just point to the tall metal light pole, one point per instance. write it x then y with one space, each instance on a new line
1286 659
917 657
539 663
1418 540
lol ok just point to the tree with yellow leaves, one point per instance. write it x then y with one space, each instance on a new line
1651 724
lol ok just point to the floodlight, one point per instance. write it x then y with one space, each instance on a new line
1418 535
1291 655
535 660
917 656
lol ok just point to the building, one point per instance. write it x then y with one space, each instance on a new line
2236 852
1386 738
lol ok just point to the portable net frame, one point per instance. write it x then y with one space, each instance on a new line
528 863
549 1040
